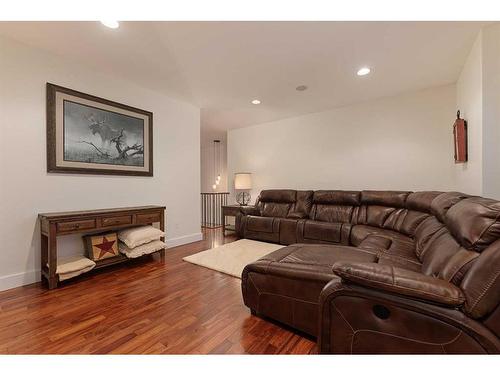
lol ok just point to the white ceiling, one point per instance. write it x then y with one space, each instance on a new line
222 66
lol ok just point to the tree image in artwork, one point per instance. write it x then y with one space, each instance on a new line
95 135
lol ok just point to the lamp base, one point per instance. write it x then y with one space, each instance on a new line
243 198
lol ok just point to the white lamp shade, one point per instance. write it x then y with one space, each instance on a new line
242 181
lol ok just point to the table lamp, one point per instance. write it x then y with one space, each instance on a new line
242 181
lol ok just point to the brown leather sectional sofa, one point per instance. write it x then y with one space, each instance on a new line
378 271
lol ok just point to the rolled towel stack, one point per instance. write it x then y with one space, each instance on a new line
139 241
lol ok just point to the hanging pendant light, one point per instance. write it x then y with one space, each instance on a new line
216 166
217 180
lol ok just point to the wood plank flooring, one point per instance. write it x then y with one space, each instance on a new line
145 307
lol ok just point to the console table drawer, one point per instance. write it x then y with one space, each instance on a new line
116 220
69 226
148 218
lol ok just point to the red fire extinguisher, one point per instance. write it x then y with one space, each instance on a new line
460 137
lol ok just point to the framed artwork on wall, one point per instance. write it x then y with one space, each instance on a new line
91 135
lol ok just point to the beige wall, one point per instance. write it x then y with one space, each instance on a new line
25 187
478 98
469 176
402 142
491 110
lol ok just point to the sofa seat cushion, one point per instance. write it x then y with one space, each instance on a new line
400 262
360 232
260 224
318 230
395 252
375 244
316 255
262 228
285 285
404 248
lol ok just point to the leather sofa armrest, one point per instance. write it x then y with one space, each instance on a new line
336 328
250 210
400 281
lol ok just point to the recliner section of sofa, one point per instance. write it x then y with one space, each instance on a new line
359 253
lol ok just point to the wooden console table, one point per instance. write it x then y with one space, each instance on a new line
57 224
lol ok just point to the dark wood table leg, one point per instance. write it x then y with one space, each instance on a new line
52 256
223 222
162 228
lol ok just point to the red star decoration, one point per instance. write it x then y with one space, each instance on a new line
105 247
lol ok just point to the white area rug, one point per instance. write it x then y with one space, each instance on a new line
231 258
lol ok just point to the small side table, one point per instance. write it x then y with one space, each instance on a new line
230 210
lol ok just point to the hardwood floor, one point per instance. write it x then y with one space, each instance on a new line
144 307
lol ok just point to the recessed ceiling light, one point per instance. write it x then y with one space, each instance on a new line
364 71
301 88
256 101
111 24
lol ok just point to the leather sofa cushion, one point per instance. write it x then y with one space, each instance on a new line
316 230
278 196
402 247
400 262
412 220
400 281
421 200
295 259
272 209
375 243
425 232
438 251
474 222
397 219
303 204
360 232
377 215
442 203
260 224
337 197
395 252
457 266
384 198
332 213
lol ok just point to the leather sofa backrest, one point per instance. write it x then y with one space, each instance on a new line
425 233
395 199
285 203
303 205
481 283
421 200
391 210
276 203
443 202
474 222
450 245
334 205
440 248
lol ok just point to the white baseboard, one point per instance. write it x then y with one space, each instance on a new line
30 277
19 279
178 241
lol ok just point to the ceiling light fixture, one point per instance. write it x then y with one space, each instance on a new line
111 24
364 71
256 101
301 88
